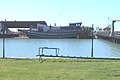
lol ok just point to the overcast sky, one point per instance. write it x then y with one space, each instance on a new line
62 12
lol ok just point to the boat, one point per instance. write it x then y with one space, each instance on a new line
52 32
52 35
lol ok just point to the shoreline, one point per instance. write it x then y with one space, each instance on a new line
95 58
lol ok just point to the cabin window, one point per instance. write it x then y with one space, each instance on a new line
40 29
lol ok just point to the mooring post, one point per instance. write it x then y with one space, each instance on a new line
92 42
39 54
3 29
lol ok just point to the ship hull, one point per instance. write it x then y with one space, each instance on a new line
52 35
8 35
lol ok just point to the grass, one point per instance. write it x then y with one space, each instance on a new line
59 69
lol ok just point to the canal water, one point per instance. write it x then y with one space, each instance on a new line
28 48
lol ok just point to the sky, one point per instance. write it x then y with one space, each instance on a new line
62 12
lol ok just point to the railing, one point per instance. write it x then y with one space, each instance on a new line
41 51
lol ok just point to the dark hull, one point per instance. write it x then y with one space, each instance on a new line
8 35
52 35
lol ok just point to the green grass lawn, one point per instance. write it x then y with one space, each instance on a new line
59 69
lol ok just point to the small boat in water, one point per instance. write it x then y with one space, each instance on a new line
49 32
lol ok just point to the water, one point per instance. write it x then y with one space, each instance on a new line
28 48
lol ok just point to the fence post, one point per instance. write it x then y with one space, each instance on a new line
92 42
